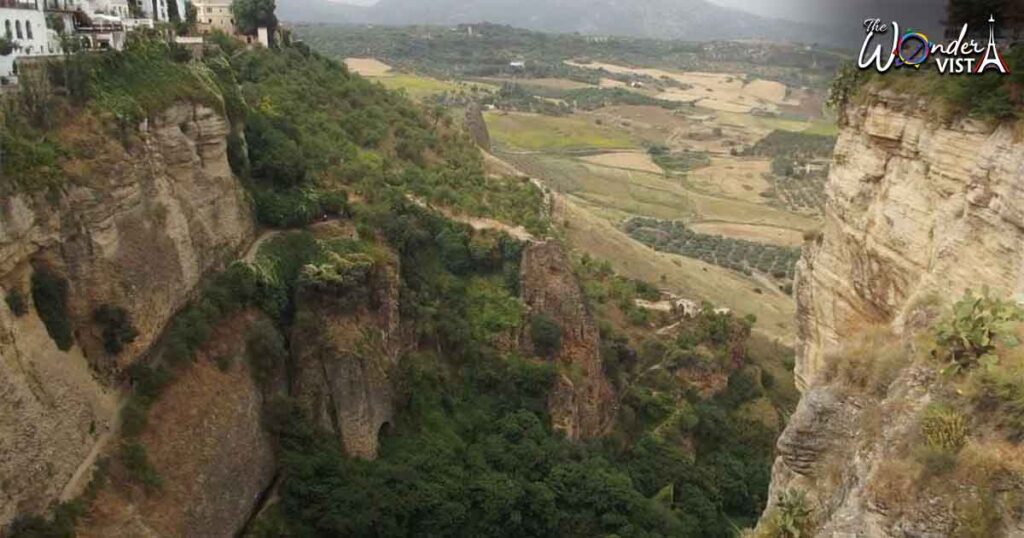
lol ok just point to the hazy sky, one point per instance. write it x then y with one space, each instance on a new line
919 13
842 12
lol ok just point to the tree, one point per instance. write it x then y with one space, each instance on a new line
975 14
546 335
253 14
7 46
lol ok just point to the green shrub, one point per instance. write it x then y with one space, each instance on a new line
117 327
944 429
16 302
60 525
793 514
967 336
50 295
136 462
545 334
133 417
148 382
334 202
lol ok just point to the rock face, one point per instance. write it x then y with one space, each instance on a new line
839 449
917 213
476 127
582 402
913 209
206 442
136 225
344 355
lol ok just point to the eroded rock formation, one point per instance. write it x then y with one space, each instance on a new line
136 225
345 347
914 209
582 402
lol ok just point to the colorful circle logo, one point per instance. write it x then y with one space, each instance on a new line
913 49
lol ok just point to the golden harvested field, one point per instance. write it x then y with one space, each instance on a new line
630 160
368 67
730 92
739 178
752 232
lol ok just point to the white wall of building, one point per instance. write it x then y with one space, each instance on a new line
26 26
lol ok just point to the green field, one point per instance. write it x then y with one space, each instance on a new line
419 87
554 133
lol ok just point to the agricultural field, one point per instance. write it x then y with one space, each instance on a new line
538 132
586 232
727 92
368 67
627 160
731 177
622 193
417 87
736 254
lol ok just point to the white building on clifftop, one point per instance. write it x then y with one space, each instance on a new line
23 24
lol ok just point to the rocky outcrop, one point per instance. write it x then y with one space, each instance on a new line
914 209
345 349
476 126
841 449
136 225
206 442
581 402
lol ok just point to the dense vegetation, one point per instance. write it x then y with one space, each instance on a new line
678 161
472 453
454 53
735 254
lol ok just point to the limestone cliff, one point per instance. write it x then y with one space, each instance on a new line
205 441
344 348
138 222
581 402
914 209
917 212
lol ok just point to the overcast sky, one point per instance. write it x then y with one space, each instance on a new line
919 13
837 11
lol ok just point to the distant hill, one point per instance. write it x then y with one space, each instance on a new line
679 19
